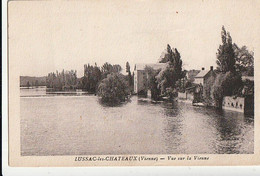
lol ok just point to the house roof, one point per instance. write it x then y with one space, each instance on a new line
141 66
202 74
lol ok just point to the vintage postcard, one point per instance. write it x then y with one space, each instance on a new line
133 83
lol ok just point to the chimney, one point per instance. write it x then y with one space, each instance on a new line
202 68
211 68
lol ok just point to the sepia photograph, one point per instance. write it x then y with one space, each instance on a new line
132 80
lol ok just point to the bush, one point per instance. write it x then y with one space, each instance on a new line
113 89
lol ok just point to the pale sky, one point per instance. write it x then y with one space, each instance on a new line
46 36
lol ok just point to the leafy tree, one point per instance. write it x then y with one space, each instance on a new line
60 81
225 54
226 84
133 77
168 76
113 89
117 68
128 67
207 96
232 63
96 75
92 77
107 69
244 60
181 83
130 78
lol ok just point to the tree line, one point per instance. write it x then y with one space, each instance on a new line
64 80
28 81
107 81
112 86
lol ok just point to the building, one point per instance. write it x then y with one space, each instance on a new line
203 75
140 76
206 78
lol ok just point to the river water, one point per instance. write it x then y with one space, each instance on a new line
78 124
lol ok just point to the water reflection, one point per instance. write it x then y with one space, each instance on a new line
68 125
197 130
111 104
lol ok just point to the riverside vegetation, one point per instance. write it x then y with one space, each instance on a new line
107 82
113 87
232 63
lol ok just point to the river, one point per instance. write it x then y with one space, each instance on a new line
78 124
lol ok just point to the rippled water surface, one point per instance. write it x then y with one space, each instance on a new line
77 124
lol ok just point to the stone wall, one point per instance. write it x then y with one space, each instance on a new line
139 81
234 104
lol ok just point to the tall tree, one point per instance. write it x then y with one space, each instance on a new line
168 76
127 67
117 68
58 81
244 60
92 76
225 54
107 68
128 70
165 56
